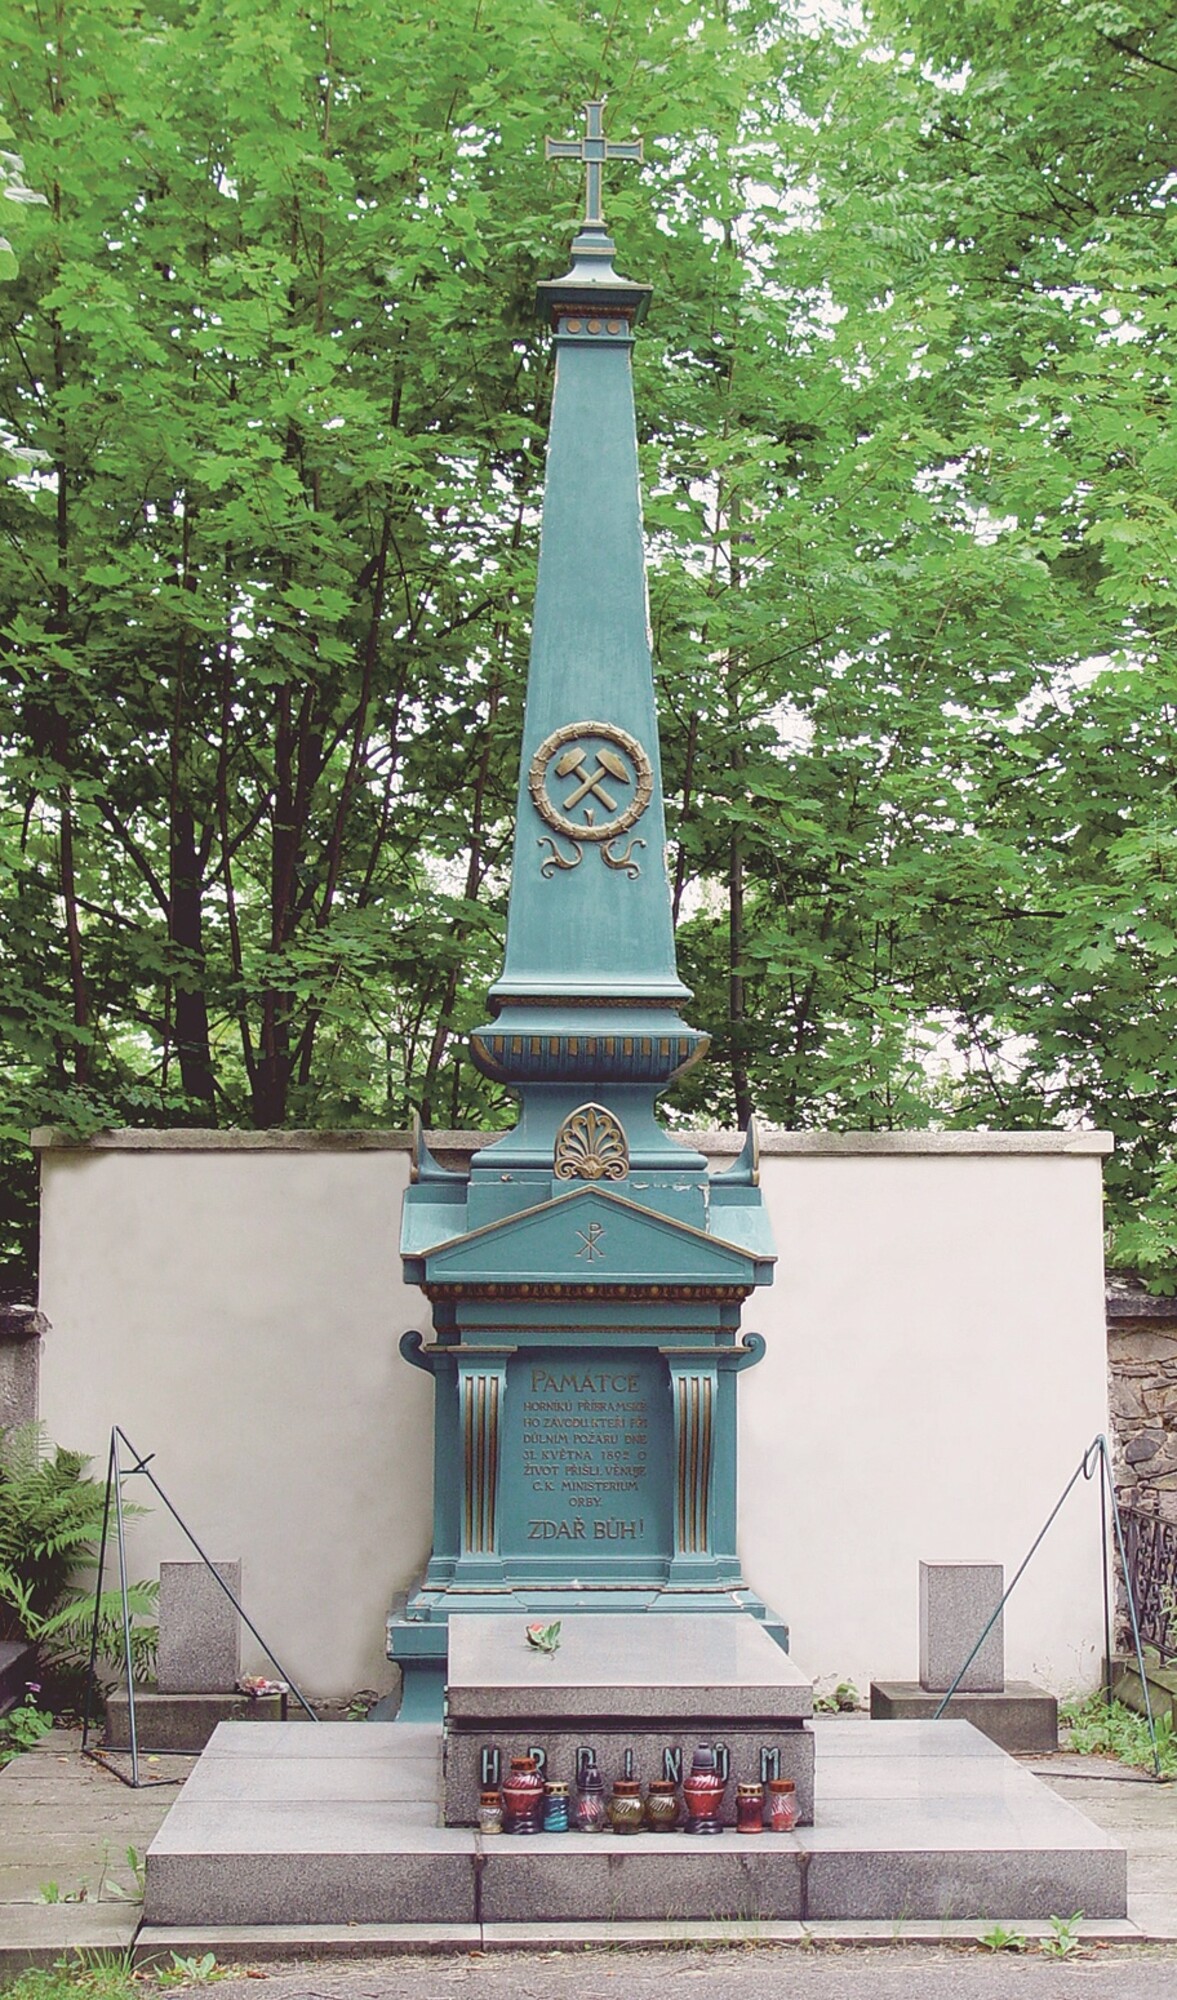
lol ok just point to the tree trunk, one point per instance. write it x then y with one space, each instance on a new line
185 928
737 1017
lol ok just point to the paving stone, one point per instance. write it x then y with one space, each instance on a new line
40 1933
259 1943
599 1936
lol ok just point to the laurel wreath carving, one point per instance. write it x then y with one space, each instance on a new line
576 830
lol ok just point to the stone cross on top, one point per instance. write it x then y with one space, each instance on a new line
594 149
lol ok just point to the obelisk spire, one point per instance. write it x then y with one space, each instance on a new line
589 993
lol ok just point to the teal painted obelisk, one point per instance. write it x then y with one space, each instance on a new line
586 1276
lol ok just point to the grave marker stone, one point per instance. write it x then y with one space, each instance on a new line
957 1601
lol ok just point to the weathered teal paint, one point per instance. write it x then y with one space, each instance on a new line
586 1301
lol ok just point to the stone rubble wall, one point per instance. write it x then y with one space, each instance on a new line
1142 1395
21 1332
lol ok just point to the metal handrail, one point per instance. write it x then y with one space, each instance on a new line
1096 1457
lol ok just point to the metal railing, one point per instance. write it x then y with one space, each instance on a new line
1095 1464
1150 1559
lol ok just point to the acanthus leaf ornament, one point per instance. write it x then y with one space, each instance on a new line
600 762
591 1146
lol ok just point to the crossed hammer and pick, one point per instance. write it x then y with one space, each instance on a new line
573 762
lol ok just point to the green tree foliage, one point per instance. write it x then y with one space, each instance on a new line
275 405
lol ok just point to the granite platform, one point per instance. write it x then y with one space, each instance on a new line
303 1824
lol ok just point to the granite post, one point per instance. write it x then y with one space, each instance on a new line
957 1600
199 1650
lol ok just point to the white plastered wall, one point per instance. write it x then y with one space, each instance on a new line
935 1368
237 1313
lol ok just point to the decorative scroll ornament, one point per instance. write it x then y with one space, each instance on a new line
590 1146
577 772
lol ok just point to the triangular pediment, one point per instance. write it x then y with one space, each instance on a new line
590 1236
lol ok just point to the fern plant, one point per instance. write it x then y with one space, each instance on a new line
51 1512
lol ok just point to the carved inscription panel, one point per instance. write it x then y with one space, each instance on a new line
587 1456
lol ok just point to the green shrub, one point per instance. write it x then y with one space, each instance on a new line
23 1726
1116 1731
51 1513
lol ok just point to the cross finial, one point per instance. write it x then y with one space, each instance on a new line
594 149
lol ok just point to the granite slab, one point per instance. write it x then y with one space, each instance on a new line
426 1884
18 1666
180 1723
671 1877
274 1779
622 1668
199 1647
327 1740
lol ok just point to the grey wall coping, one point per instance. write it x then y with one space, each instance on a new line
20 1323
1076 1141
1140 1306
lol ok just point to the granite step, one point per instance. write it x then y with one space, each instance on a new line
312 1824
18 1666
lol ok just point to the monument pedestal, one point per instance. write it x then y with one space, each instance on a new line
634 1694
961 1620
586 1463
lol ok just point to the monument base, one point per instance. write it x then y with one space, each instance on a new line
1021 1718
305 1824
633 1694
